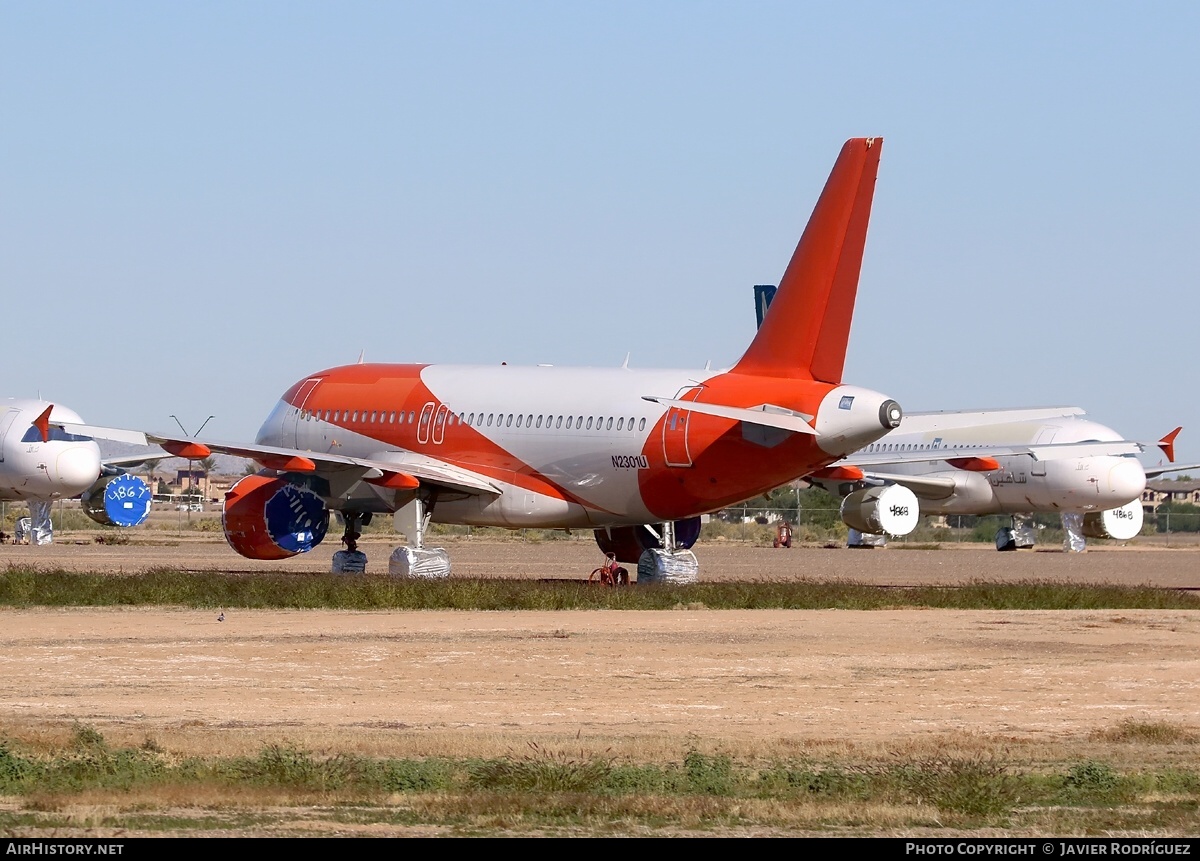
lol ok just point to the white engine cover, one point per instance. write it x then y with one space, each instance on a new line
892 510
1120 523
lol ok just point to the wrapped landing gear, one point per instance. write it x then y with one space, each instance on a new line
351 560
1020 534
668 564
416 560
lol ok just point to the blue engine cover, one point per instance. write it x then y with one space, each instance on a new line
296 518
118 500
266 517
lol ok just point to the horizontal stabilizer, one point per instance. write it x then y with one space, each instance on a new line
767 415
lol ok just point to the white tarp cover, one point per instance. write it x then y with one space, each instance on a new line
659 566
1073 540
41 531
431 563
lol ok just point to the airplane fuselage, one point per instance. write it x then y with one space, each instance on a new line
1022 484
573 447
30 468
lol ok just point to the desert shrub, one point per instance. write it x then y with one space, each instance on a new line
710 775
541 770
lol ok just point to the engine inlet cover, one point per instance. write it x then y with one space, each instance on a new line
890 509
270 518
117 500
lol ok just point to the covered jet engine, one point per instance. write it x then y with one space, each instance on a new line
891 509
117 500
628 543
266 517
1120 523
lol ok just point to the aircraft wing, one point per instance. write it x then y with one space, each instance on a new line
399 470
1156 471
1051 451
924 486
135 459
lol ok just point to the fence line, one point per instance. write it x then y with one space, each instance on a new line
1165 528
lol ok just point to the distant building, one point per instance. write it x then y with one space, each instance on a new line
1160 490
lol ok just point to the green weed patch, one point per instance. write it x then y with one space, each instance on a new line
544 790
32 587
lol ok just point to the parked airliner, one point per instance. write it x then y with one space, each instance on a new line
612 450
1008 461
41 462
1017 461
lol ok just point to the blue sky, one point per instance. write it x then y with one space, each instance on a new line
202 203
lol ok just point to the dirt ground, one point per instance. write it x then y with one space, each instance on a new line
490 682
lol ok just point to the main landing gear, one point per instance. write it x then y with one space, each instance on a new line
415 560
1020 534
662 552
670 563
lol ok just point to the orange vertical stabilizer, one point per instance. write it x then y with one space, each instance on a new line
809 325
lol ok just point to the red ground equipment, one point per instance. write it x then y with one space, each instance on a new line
610 573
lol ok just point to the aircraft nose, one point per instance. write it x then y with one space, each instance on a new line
1126 480
76 468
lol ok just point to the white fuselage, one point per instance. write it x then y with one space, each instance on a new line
63 467
1022 484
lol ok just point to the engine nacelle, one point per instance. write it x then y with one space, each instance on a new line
890 510
117 500
1120 523
628 543
265 517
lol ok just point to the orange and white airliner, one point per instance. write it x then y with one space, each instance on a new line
636 455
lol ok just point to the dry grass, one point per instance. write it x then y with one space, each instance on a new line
949 783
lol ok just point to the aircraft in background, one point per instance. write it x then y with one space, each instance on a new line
1018 462
636 455
40 463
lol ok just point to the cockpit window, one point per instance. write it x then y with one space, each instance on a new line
57 434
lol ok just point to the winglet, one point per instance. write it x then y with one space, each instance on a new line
42 423
809 325
1167 444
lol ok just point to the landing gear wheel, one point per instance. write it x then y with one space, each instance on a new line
417 561
431 563
1006 539
662 566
